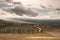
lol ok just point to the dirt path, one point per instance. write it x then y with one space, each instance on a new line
56 34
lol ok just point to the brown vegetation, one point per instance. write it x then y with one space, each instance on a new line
16 36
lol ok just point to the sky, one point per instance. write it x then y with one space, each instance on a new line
45 5
45 9
36 5
39 3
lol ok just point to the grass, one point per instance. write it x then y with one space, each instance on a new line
17 31
24 37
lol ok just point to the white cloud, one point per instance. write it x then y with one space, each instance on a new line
38 3
46 3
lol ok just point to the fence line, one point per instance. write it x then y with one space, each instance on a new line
19 30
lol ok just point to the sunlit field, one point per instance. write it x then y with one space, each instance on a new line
19 31
28 37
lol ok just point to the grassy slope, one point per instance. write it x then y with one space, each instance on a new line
23 36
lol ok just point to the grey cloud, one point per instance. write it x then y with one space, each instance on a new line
20 10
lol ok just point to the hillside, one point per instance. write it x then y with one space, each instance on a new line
24 26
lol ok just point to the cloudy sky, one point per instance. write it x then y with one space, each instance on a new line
47 3
45 8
